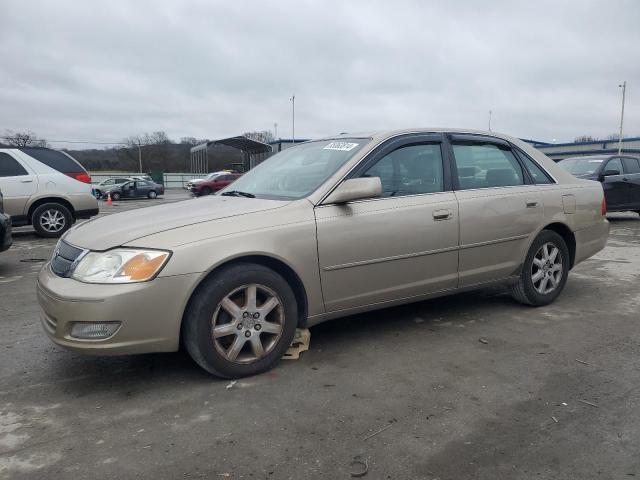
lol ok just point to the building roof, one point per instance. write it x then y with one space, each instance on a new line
241 143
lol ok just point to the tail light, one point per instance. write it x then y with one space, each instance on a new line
603 207
83 177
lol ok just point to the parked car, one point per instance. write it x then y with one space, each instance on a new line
5 227
318 231
212 183
45 188
619 175
135 189
100 189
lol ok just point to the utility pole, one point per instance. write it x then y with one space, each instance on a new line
489 120
140 155
624 91
293 118
275 128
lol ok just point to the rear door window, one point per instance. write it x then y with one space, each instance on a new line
54 159
631 165
10 167
486 165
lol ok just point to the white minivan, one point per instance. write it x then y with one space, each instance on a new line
45 188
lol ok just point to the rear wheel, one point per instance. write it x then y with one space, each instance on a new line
205 191
544 272
240 321
152 194
51 220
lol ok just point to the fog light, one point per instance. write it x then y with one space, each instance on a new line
94 331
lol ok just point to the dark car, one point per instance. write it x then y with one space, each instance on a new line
212 183
136 189
619 175
103 187
5 228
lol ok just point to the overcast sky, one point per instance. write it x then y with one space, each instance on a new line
91 70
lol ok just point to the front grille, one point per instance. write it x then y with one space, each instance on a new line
63 257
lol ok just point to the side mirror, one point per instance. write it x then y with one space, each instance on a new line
355 189
608 173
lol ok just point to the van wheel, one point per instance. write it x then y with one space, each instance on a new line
544 272
51 220
240 321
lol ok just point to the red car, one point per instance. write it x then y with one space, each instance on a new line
211 183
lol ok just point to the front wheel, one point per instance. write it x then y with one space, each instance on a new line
205 191
152 194
240 321
115 196
544 272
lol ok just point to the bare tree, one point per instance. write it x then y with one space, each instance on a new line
23 139
584 139
264 136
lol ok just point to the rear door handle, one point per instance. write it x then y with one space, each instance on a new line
532 204
442 215
26 181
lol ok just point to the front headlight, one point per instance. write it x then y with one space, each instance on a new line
124 265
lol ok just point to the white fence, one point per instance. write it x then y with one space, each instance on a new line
170 180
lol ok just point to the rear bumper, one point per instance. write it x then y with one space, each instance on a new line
5 232
150 313
591 240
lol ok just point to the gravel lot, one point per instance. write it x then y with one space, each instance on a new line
471 386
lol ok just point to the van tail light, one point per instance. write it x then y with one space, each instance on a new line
83 177
603 207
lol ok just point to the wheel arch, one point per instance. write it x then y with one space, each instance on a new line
567 235
275 264
43 200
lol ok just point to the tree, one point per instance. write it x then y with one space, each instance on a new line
584 139
23 139
264 136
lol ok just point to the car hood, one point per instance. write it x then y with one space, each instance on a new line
111 231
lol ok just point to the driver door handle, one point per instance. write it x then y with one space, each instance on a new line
532 204
26 181
442 215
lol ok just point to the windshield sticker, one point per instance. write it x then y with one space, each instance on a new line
343 146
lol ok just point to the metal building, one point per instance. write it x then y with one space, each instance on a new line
254 152
558 151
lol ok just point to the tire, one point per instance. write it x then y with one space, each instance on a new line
205 191
206 313
152 194
532 288
51 220
115 196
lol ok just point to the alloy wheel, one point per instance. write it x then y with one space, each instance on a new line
546 269
248 323
52 220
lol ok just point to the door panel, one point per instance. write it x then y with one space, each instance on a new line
17 182
499 209
388 248
616 190
632 174
495 226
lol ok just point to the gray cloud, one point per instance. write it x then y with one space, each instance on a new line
106 70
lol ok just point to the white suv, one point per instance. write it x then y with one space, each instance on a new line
46 188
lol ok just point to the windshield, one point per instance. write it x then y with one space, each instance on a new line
211 176
581 166
297 171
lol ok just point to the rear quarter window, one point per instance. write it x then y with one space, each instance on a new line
54 159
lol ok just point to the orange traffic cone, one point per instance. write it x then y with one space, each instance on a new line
109 201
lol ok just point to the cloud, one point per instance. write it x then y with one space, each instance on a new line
105 70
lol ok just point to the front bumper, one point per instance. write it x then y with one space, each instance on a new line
150 312
5 232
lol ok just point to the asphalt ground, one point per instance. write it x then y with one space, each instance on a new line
473 386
